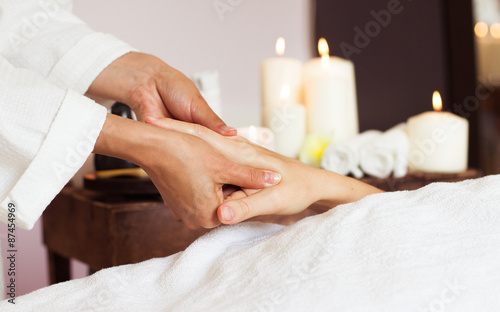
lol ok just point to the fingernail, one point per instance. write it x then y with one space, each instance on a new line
272 178
151 118
227 213
228 129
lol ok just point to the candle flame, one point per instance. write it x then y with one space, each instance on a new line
495 30
437 102
280 46
324 51
253 135
285 92
481 29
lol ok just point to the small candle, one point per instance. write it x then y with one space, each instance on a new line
438 140
288 123
276 73
330 91
258 135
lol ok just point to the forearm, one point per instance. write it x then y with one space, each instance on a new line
131 140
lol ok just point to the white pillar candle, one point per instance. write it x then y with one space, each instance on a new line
288 123
258 135
276 73
439 141
488 52
207 83
330 91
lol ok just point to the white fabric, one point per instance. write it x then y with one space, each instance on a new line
48 57
434 249
386 154
46 135
343 158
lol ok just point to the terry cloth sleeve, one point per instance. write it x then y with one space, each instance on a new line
44 36
46 134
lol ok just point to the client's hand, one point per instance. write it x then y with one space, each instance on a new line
152 88
188 171
301 186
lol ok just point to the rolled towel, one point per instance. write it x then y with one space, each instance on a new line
343 158
387 153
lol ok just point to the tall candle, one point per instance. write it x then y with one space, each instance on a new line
288 122
438 140
276 73
330 91
488 52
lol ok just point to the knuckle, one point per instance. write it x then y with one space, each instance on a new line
246 208
142 93
198 130
256 177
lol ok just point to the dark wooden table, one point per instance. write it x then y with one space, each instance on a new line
104 230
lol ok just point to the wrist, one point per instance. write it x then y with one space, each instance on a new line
336 189
130 140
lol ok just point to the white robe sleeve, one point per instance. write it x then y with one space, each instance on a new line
43 36
46 134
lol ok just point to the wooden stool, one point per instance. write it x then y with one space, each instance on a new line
105 230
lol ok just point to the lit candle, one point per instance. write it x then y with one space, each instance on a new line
488 51
276 73
258 135
330 91
438 140
288 122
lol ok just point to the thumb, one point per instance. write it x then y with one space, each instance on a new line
262 203
248 177
203 115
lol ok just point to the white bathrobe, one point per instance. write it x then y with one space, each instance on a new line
48 59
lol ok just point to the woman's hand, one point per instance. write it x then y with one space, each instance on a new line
152 88
188 172
301 186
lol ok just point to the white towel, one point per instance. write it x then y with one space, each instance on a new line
343 158
388 153
434 249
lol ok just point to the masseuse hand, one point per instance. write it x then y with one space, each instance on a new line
152 88
301 185
188 171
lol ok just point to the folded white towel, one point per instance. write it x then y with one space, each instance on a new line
387 153
434 249
343 158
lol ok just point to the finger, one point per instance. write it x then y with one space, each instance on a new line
202 114
262 203
161 112
149 104
199 131
229 189
250 192
181 126
235 195
175 214
248 177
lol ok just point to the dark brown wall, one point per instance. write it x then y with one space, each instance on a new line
427 45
